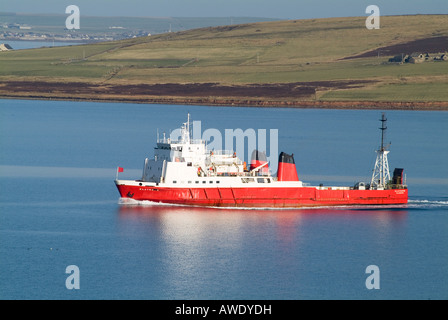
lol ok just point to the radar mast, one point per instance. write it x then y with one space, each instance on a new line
381 174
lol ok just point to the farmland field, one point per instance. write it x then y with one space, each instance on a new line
308 53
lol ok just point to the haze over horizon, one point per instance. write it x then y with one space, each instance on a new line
280 9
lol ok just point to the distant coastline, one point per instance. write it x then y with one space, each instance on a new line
274 95
207 101
293 64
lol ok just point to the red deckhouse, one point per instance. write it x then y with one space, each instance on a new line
184 172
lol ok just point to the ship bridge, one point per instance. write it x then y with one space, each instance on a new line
186 157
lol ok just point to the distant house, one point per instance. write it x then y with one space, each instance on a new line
416 57
5 47
399 59
443 57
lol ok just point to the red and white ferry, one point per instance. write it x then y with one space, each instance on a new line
184 172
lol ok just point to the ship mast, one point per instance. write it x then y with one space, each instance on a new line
185 131
188 127
381 174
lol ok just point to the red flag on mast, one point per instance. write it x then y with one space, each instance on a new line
119 169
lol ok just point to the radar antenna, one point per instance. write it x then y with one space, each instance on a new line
186 131
381 174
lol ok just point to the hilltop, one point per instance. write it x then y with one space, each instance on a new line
333 62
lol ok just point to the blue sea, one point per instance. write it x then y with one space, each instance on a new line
29 44
59 208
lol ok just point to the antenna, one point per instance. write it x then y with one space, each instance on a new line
383 129
188 126
381 174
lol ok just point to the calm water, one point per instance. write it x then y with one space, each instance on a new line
59 207
28 44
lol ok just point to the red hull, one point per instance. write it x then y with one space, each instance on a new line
281 197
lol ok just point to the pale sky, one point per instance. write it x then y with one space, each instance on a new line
283 9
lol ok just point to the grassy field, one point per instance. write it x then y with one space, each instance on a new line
257 53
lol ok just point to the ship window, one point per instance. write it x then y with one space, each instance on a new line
218 181
204 181
260 180
174 181
189 182
246 180
210 181
196 181
189 164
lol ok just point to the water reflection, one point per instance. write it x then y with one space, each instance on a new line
217 253
181 224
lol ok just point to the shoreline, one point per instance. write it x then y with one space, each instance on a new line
273 95
204 101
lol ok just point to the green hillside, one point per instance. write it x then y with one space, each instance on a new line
279 52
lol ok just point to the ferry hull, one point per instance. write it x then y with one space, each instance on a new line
278 197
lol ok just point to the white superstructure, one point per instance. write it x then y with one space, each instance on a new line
188 162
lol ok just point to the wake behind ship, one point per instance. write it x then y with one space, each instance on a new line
184 172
